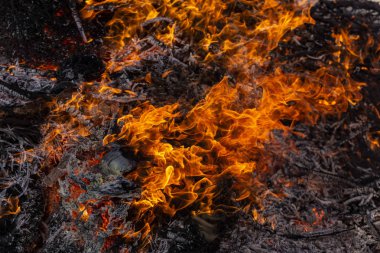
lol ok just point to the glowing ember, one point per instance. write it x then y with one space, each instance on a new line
318 216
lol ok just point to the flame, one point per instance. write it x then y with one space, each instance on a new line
218 137
9 206
84 213
169 37
374 139
257 217
190 161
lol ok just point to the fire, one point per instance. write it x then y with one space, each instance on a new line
374 139
169 37
219 138
190 160
9 206
84 214
257 217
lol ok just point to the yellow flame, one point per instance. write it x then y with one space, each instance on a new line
83 212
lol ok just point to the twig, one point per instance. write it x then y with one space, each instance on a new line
14 91
77 20
155 20
327 232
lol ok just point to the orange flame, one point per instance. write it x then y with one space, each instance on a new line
374 139
9 206
84 212
188 157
